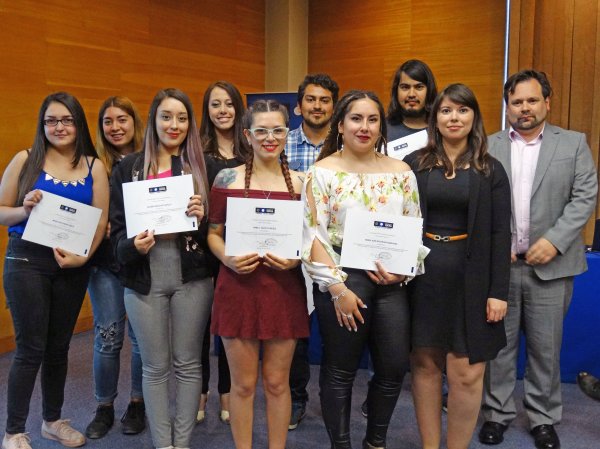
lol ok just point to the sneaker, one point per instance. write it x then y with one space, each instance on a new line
16 441
62 432
224 416
364 409
201 415
102 422
298 413
134 419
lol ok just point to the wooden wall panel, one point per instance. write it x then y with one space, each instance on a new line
562 38
133 48
360 43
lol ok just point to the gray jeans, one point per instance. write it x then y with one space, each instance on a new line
169 324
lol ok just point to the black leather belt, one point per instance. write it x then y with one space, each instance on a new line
521 256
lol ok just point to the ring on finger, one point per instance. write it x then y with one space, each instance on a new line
349 316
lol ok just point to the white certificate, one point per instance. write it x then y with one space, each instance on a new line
393 240
264 226
402 147
59 222
159 205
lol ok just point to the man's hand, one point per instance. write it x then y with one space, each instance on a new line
541 252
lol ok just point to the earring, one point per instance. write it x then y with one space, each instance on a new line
340 141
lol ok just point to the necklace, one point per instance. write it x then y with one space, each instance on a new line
265 194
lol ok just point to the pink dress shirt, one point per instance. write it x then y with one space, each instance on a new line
523 160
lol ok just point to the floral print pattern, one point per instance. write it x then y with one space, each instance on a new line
334 193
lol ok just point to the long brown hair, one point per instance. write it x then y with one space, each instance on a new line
267 106
333 142
107 152
475 155
208 134
37 155
190 149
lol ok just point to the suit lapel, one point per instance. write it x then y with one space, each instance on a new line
547 150
502 153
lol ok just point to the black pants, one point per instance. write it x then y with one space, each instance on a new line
300 372
44 302
224 382
386 331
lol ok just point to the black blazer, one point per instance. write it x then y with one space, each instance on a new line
487 258
135 267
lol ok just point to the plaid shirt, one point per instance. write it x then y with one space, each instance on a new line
300 151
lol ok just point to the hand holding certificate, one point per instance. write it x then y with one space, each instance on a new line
391 240
159 205
264 226
60 222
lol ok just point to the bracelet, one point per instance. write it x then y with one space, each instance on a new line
336 298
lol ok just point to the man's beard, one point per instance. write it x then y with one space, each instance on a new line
413 113
314 125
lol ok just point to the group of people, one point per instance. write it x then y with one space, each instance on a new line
501 244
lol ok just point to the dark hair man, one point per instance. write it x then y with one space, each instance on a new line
317 95
413 92
554 186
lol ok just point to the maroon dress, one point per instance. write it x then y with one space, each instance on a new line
264 304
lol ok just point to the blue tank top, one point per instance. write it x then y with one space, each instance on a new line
79 190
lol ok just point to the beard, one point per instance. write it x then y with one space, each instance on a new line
315 125
531 124
413 113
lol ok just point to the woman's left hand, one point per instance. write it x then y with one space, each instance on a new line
382 277
496 310
195 208
65 259
278 263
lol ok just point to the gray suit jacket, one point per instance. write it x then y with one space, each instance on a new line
563 196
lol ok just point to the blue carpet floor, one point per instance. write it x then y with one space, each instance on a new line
580 428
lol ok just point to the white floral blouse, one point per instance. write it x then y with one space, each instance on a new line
335 192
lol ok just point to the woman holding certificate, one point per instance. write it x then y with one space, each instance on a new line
258 299
167 277
44 286
119 133
357 307
224 144
459 304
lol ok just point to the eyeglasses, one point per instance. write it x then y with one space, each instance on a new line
280 132
66 121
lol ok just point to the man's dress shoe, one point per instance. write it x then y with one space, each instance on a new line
545 437
492 432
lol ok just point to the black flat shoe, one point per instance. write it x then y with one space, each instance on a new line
134 419
102 422
589 384
492 432
545 437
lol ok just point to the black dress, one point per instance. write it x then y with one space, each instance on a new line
438 302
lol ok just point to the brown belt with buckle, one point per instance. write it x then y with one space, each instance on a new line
445 238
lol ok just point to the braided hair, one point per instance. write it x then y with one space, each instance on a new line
260 106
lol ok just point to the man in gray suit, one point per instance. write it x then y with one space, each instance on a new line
554 186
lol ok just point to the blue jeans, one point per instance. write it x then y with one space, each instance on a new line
44 302
169 323
107 295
